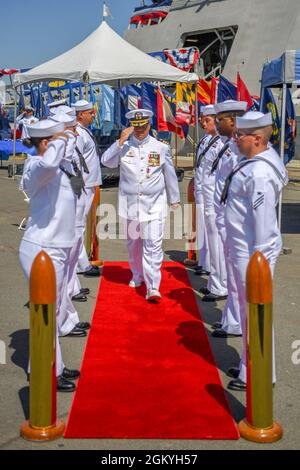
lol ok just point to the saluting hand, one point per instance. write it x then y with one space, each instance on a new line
125 134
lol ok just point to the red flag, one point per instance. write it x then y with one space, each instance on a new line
243 93
165 117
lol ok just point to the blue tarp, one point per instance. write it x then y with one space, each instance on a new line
7 148
284 69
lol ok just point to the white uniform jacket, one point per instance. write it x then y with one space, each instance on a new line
148 179
228 161
250 214
199 168
208 178
52 201
87 147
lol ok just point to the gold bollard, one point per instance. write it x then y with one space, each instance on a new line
258 426
88 233
191 259
95 259
42 424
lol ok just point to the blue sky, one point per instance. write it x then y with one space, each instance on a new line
34 31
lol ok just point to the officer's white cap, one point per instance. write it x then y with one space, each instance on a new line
231 106
45 128
29 108
208 110
68 120
62 109
56 103
254 119
82 105
145 113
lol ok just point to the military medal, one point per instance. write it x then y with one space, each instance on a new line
154 159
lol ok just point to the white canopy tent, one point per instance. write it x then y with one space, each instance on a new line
104 57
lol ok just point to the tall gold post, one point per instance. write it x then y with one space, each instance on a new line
43 424
88 233
259 425
95 258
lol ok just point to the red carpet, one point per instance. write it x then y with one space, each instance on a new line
148 370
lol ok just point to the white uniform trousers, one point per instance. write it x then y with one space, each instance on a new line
202 242
70 312
59 256
145 255
239 266
217 281
83 261
231 318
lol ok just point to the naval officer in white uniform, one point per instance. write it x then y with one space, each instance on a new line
50 226
87 147
217 281
226 160
251 195
148 182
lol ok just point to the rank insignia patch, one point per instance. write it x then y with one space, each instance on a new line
154 159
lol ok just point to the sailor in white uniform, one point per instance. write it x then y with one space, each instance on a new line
26 120
68 319
251 195
203 266
217 282
148 182
50 226
87 148
226 160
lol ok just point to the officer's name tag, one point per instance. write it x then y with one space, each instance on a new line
153 159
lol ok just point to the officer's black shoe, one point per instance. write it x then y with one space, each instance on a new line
213 297
216 325
94 271
200 271
84 291
83 325
237 384
204 291
79 298
64 385
78 332
220 333
233 372
70 374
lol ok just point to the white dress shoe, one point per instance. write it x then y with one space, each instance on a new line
135 283
153 294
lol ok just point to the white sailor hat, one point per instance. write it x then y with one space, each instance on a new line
208 110
254 119
45 128
231 106
69 121
29 108
139 117
56 103
82 105
62 109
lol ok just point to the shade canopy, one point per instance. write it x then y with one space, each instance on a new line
105 57
284 69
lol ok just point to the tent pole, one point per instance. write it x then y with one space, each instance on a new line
282 141
119 104
15 132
